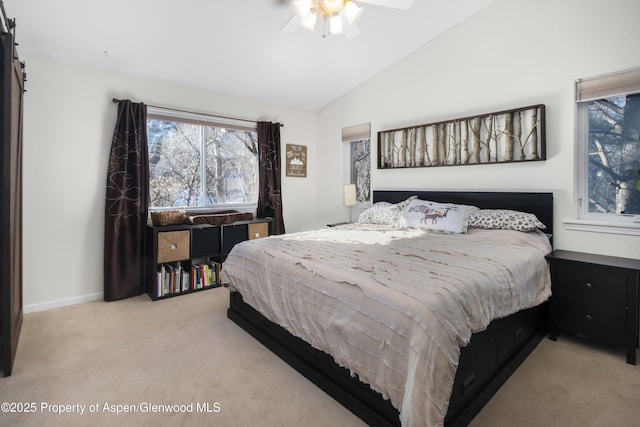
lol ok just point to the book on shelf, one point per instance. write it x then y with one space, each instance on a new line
205 274
174 278
185 280
171 278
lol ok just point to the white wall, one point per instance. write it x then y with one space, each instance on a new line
512 54
69 119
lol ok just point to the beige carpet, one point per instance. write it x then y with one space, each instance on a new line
184 351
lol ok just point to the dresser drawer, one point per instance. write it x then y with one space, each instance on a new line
475 369
605 287
588 318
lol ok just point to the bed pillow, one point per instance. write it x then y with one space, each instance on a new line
403 204
379 213
433 216
504 219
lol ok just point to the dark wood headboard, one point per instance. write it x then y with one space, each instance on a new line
539 204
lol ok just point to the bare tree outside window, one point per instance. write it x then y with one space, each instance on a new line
361 169
614 155
194 165
231 166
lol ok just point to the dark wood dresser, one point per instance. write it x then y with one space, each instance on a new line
595 296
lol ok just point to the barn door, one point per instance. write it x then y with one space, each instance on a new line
12 83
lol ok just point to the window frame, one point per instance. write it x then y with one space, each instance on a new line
599 87
158 113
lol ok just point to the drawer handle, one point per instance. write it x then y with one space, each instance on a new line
589 285
468 382
588 317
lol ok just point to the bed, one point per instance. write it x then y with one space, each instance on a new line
315 318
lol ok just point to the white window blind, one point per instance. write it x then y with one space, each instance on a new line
615 84
354 133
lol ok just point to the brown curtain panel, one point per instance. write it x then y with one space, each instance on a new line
127 204
270 191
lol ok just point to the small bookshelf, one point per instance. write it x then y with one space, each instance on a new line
188 258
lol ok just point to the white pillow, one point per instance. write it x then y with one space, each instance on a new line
403 204
438 217
401 207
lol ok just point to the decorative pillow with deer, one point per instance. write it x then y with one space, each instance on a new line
437 217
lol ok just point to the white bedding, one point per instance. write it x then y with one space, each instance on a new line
392 306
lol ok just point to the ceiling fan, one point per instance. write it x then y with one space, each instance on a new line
337 16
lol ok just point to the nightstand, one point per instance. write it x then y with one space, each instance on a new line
595 296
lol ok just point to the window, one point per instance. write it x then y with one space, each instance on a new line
360 161
195 162
358 148
609 147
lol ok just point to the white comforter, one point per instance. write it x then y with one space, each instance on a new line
392 306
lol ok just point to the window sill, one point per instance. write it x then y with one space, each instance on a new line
629 228
194 210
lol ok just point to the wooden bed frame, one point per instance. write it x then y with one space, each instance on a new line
485 364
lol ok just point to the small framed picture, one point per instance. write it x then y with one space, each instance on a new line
296 161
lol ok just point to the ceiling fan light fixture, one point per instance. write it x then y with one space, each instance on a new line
337 16
331 7
302 8
352 12
309 22
336 25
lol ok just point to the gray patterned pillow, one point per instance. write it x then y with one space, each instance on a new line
504 219
379 213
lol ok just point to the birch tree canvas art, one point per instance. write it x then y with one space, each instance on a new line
506 136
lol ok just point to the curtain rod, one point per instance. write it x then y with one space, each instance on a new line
116 100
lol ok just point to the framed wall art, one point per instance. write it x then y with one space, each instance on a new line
516 135
296 161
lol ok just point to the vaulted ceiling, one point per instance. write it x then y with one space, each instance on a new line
233 47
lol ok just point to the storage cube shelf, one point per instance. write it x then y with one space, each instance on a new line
187 258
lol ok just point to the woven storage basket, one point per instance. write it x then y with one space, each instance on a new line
173 246
160 218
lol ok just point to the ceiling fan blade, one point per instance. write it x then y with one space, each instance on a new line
394 4
292 25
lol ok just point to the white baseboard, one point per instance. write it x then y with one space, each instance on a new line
32 308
